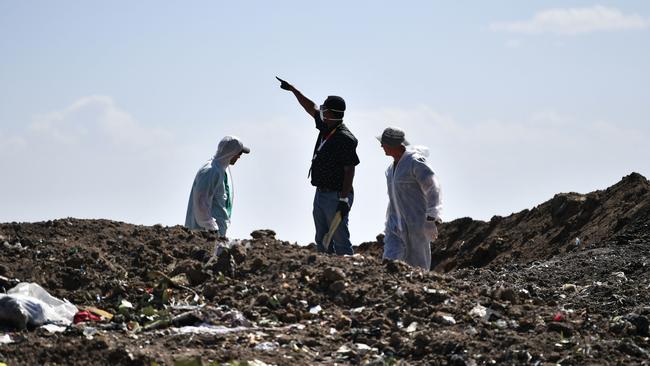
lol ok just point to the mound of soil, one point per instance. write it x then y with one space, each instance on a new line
560 225
517 290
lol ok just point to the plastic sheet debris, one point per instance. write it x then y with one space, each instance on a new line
206 328
236 318
479 311
29 304
315 310
210 329
363 348
448 319
6 339
266 346
187 307
344 349
125 305
53 328
412 327
89 332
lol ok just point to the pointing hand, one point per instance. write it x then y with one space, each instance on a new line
284 85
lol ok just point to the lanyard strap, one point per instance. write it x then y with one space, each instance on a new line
322 143
324 140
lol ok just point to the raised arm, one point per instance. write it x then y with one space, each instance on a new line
306 103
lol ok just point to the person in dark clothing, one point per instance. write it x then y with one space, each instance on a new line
332 168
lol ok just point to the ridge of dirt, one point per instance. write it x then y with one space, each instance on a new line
542 232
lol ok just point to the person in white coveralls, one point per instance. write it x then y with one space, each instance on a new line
414 201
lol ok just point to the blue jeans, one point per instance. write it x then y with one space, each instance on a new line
325 204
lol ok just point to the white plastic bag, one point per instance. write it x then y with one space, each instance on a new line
29 304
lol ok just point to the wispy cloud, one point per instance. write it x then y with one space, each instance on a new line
97 118
9 144
573 21
90 158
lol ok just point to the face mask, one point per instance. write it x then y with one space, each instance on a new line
322 118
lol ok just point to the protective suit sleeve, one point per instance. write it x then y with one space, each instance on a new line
430 187
203 194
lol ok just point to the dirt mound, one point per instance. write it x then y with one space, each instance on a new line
279 303
563 224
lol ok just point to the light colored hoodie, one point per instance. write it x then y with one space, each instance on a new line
206 208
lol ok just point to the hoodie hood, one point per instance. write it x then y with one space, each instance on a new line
228 147
419 150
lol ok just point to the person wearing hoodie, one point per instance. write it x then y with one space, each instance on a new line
413 201
210 204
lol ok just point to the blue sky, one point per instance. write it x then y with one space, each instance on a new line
108 109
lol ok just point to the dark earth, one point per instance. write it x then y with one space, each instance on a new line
566 282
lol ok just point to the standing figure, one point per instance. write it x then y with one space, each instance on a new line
414 201
332 169
210 204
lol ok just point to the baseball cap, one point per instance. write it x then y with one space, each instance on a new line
334 103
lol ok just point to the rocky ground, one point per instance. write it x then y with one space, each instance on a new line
515 290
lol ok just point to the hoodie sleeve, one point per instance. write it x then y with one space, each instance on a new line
202 201
429 185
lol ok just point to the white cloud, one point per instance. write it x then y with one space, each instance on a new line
90 159
573 21
97 118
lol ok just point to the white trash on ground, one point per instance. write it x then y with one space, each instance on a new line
30 304
209 329
6 339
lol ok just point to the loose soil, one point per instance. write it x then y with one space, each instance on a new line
564 283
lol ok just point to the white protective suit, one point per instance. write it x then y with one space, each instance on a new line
206 208
414 194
